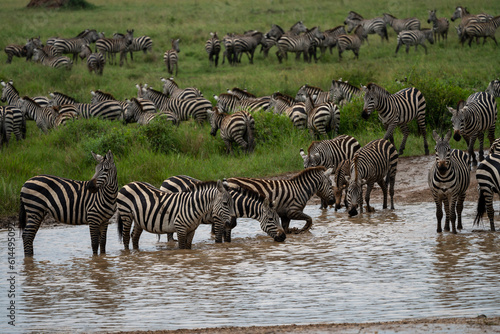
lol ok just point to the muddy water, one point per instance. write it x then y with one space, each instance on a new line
388 265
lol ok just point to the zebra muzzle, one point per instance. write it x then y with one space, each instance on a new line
365 114
457 136
280 236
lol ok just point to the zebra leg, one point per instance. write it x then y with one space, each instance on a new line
29 234
170 237
439 213
243 144
488 198
425 48
446 202
126 221
383 186
229 148
406 132
103 231
369 187
470 150
95 235
136 235
285 223
460 208
299 215
189 240
481 146
453 214
407 48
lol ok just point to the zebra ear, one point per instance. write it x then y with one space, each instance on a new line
97 157
348 178
329 171
435 136
448 136
109 157
3 83
451 110
163 79
92 93
302 154
364 88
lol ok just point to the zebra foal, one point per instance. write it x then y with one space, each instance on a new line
238 127
448 180
71 202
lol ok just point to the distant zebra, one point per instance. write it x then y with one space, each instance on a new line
297 44
241 93
376 162
11 95
230 103
14 50
448 180
351 42
376 25
109 109
317 94
238 127
171 58
172 90
396 110
416 38
142 43
291 195
56 62
331 38
195 108
494 88
95 63
159 212
296 111
472 119
43 116
247 43
402 24
481 29
487 175
342 91
71 202
228 41
324 118
70 46
134 113
212 47
440 26
13 122
109 47
247 204
466 17
100 96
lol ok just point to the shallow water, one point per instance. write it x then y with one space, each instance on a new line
388 265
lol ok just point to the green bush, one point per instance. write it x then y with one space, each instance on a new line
160 136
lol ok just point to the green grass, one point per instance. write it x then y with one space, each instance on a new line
447 74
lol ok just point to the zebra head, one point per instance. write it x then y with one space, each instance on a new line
4 90
371 100
325 188
215 117
432 16
429 34
336 94
223 212
493 88
457 14
301 95
310 160
175 45
457 118
443 150
270 221
105 172
354 189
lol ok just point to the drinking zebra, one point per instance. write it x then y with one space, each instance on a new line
296 111
298 44
416 38
159 212
342 91
487 175
376 25
71 202
493 88
322 119
448 180
481 29
172 90
472 119
238 127
195 108
171 58
212 47
229 103
134 113
396 110
56 62
291 195
142 43
376 162
351 42
109 47
247 43
247 204
402 24
440 25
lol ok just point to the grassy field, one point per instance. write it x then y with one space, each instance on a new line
447 74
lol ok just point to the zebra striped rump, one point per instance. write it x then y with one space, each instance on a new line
488 179
238 127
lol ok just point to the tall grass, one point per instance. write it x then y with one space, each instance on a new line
446 75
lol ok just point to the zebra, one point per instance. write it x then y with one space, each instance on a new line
172 90
142 43
317 94
238 127
14 50
247 204
396 110
448 180
159 212
13 122
171 58
11 95
324 118
401 24
56 62
466 17
100 96
183 109
72 202
247 43
376 25
73 46
351 42
291 195
134 113
300 43
330 40
212 47
109 47
95 63
487 175
342 91
230 103
43 116
440 26
294 110
493 88
65 113
108 109
376 162
481 29
276 32
472 118
241 93
341 184
228 41
495 147
415 37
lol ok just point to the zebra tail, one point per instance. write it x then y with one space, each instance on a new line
481 208
22 217
119 227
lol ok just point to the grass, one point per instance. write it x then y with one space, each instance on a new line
446 75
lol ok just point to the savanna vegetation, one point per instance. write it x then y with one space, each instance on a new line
152 153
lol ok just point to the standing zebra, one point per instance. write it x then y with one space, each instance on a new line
481 29
229 103
466 17
247 43
228 41
100 96
134 113
95 63
351 42
440 26
13 122
494 88
276 32
212 47
291 195
323 118
172 90
376 162
416 38
70 46
342 91
487 175
71 202
402 24
238 127
376 25
396 110
330 40
448 179
109 109
56 62
171 58
296 111
341 184
142 43
109 47
159 212
21 51
11 95
297 44
472 119
43 116
317 94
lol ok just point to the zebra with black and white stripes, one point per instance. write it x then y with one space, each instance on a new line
11 95
440 25
159 212
351 42
212 47
322 119
110 46
229 103
171 57
13 122
376 25
291 195
95 63
70 46
100 96
448 180
247 43
172 90
341 184
22 51
72 202
487 175
238 127
466 18
296 111
481 29
56 62
317 94
247 204
494 88
415 38
228 41
276 32
142 43
376 162
342 92
134 113
43 116
109 109
298 44
396 110
330 40
399 25
472 119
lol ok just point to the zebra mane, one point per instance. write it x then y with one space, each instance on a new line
65 96
242 92
315 88
356 14
83 33
377 88
248 192
334 29
282 96
139 105
310 170
171 79
229 96
275 26
217 112
156 91
29 99
390 15
343 83
201 186
12 87
310 30
312 146
106 95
